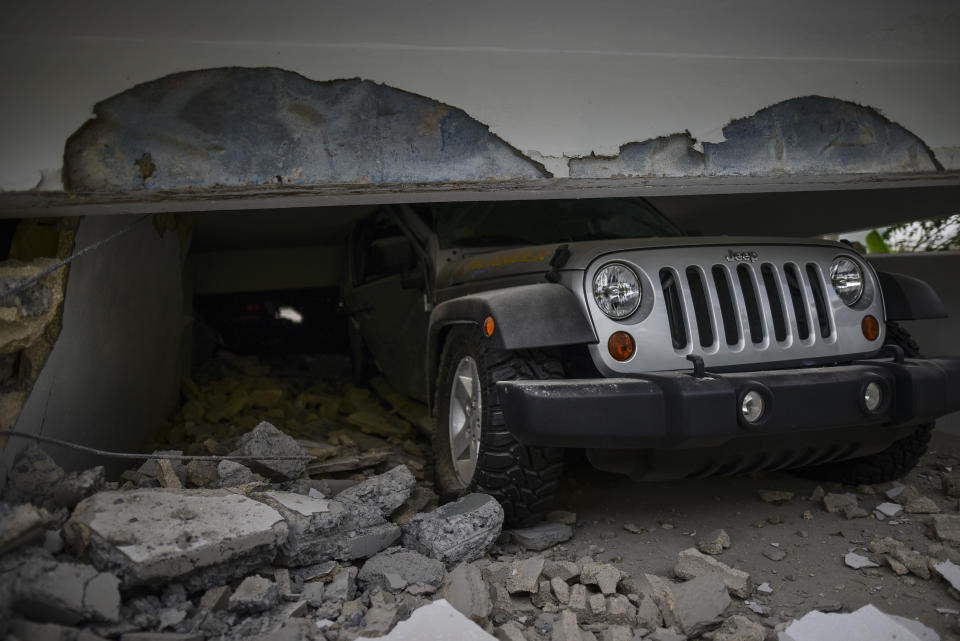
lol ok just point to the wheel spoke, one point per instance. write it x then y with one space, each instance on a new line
464 419
462 441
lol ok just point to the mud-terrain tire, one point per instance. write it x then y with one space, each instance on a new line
893 462
523 479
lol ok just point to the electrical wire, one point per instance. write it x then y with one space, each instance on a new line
132 455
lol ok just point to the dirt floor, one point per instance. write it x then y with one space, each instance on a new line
672 515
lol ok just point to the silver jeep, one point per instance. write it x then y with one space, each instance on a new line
530 327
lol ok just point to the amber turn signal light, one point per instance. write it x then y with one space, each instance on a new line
870 327
488 326
621 346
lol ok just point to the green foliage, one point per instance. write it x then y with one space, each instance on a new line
934 234
876 244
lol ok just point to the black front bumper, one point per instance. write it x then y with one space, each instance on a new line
676 410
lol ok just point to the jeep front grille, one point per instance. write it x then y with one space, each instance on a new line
776 308
738 294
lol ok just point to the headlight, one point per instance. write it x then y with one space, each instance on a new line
616 289
847 280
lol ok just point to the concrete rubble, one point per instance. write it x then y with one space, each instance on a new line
456 532
866 624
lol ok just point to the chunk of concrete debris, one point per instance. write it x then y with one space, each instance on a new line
437 621
714 543
566 628
385 492
950 572
603 575
839 502
541 536
922 505
215 599
67 593
565 570
888 510
461 531
312 593
951 485
202 474
265 440
465 589
774 552
896 554
524 575
740 628
776 497
692 563
343 587
700 603
866 624
510 631
409 565
665 634
902 494
218 535
254 594
20 525
858 561
946 527
233 474
851 512
33 472
421 499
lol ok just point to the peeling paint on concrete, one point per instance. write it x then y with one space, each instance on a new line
812 135
239 126
949 157
672 155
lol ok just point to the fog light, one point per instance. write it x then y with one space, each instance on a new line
621 346
752 406
872 396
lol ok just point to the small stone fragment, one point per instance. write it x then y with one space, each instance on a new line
764 588
461 531
700 602
902 494
565 570
202 473
233 474
950 572
632 528
946 527
216 598
806 515
312 593
525 575
465 589
596 605
692 563
254 594
566 627
888 509
714 543
410 566
922 505
740 628
343 587
167 475
561 590
854 512
858 561
20 525
603 575
775 497
839 502
385 492
265 440
817 495
541 536
774 553
510 631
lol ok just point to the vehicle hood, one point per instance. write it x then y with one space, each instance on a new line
478 265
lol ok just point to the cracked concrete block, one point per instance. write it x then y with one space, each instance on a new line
566 570
692 563
265 440
700 603
218 535
66 593
461 531
866 624
342 587
313 527
436 621
740 628
603 575
541 536
385 492
338 131
254 594
409 565
525 575
233 474
366 542
20 525
465 589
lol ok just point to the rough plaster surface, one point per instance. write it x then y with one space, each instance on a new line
808 135
239 126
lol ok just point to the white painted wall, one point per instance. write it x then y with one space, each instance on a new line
112 377
558 77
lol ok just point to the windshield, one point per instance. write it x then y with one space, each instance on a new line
543 222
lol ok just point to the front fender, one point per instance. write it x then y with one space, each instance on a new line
525 317
909 298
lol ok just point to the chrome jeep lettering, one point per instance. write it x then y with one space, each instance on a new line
741 256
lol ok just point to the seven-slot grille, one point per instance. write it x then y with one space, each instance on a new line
745 303
735 307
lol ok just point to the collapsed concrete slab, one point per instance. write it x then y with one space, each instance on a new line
200 538
457 532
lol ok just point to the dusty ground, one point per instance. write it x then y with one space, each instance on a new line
813 571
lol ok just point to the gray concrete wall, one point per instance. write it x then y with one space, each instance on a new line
112 377
939 336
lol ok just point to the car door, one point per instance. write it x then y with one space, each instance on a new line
384 297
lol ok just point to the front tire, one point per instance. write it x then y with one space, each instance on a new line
895 461
474 451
